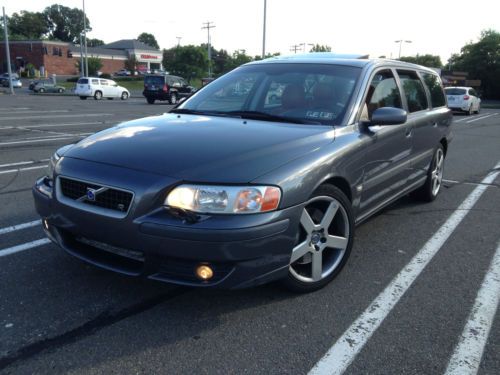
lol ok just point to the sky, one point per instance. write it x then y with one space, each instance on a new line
353 26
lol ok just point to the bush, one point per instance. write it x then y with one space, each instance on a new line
128 79
105 76
73 79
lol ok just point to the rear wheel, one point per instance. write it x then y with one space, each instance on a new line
124 95
42 90
324 240
478 108
150 100
173 98
98 95
469 111
60 90
430 190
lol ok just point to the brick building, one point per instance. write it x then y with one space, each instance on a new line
60 58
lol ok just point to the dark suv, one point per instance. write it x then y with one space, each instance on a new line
166 87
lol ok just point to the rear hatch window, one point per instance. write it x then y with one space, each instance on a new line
154 82
455 91
83 81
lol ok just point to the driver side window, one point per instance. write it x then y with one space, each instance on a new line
383 91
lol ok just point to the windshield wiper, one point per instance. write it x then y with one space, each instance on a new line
187 111
256 115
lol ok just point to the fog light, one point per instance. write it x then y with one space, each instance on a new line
204 272
45 224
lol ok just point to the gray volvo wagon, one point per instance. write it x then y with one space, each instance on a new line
261 175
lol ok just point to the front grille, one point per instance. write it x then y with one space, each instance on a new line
105 197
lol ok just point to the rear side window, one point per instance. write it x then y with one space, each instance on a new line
95 81
436 90
414 91
453 91
472 92
104 83
82 81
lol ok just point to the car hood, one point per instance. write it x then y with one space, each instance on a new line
202 148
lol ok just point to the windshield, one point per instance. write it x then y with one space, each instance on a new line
302 93
154 80
455 91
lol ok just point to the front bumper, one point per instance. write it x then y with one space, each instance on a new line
243 251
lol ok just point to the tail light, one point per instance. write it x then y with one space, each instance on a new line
466 97
165 88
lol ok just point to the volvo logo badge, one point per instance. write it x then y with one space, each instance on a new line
91 193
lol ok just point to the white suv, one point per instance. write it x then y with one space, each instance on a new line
100 88
463 99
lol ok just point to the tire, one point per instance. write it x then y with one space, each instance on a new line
324 240
478 108
150 100
41 91
83 97
124 95
173 98
432 186
469 111
98 95
60 91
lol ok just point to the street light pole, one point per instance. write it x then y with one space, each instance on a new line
85 40
7 51
264 31
82 67
178 40
400 43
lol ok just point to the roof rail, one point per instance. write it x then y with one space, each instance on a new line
322 55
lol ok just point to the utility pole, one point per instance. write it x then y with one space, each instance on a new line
178 40
85 40
82 67
264 32
209 25
7 51
295 47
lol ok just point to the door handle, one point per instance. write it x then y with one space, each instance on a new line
409 132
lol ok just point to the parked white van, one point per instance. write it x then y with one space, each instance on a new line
100 88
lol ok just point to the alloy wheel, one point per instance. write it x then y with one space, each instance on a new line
323 240
437 172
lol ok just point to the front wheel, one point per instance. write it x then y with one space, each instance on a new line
124 95
150 100
324 240
98 95
430 190
60 91
41 91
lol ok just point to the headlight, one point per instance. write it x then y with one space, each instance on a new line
52 165
225 199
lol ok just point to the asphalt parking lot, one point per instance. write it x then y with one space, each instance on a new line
418 295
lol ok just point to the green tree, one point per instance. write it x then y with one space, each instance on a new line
482 61
94 42
321 48
431 61
65 23
28 25
186 61
148 39
95 64
131 63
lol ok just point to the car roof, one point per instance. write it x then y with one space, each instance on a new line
458 87
357 60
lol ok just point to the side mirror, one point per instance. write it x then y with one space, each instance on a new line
388 116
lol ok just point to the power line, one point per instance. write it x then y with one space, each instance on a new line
295 48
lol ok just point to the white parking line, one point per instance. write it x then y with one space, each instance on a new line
24 246
14 228
81 135
45 111
23 169
55 116
13 109
23 163
467 355
67 124
343 352
480 118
